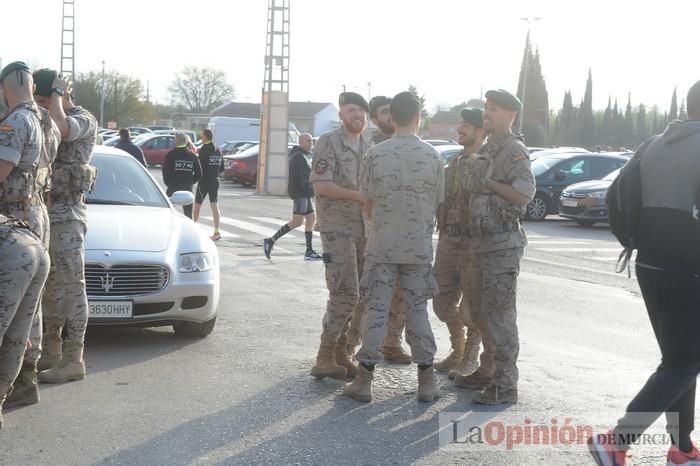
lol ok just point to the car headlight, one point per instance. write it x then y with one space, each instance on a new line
196 262
597 194
227 164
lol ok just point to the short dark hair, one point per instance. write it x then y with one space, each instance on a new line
404 106
124 134
694 102
208 134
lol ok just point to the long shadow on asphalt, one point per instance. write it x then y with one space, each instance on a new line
112 348
301 421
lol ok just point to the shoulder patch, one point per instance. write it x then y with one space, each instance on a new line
518 157
321 167
6 129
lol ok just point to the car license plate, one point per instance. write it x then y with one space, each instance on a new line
111 309
569 203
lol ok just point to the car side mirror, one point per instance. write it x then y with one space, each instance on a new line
182 198
560 176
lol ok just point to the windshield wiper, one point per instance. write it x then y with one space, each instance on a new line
106 202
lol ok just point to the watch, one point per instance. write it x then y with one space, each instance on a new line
58 90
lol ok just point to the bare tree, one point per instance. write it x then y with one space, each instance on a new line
123 97
201 89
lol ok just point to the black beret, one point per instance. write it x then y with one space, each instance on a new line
353 98
378 101
14 66
44 79
474 116
504 99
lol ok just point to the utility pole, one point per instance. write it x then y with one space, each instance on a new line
68 39
530 21
102 98
369 91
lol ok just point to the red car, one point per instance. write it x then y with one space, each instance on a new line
243 167
156 147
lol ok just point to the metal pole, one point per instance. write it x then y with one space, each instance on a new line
102 98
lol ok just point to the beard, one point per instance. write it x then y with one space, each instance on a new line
466 141
354 126
386 128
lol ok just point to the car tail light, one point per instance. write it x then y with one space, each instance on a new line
238 164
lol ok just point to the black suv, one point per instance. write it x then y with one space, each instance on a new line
554 173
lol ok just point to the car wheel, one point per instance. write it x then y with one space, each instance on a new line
537 208
194 330
586 223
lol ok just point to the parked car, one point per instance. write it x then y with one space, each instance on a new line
155 147
232 147
585 202
242 167
448 151
190 134
138 130
166 274
554 173
440 142
160 128
243 129
536 154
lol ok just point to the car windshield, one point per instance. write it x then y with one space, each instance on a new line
248 152
613 175
123 181
541 165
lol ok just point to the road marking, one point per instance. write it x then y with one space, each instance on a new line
276 221
575 267
224 234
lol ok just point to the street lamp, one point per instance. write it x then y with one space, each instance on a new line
102 98
530 21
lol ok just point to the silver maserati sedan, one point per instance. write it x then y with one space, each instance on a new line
146 264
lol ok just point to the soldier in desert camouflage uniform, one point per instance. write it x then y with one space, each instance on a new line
335 173
452 261
65 300
392 350
21 197
403 182
500 185
24 266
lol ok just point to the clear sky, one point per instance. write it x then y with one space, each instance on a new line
449 49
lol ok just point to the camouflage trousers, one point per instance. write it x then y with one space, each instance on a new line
453 270
395 327
65 300
343 255
493 307
37 216
418 285
24 266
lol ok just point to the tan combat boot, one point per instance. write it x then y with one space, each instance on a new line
360 388
26 390
325 361
428 385
395 354
470 361
51 351
475 381
72 366
343 359
496 395
455 357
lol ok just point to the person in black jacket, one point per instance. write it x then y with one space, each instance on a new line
129 147
181 170
212 163
301 192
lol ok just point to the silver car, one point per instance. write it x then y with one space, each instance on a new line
146 264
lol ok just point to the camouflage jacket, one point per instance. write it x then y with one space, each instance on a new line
21 143
493 221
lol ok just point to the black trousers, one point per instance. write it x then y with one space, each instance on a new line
673 303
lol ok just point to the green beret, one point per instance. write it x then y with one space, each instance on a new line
473 116
504 99
44 79
353 98
18 66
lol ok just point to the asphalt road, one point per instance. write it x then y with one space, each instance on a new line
243 395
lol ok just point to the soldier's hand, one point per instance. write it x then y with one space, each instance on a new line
66 84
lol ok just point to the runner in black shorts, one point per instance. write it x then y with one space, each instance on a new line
212 163
301 192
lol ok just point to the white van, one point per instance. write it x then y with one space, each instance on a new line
242 129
